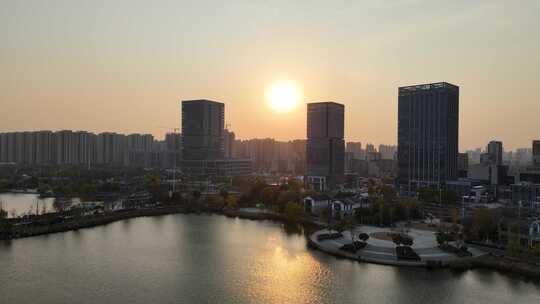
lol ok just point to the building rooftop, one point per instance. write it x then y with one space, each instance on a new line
428 86
200 100
326 102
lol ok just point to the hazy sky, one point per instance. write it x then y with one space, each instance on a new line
124 65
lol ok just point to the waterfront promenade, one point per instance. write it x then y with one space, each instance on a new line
382 251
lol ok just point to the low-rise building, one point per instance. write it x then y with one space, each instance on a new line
315 204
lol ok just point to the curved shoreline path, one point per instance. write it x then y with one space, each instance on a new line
382 251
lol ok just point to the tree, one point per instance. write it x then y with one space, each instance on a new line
231 202
380 207
326 215
536 250
293 212
196 195
348 224
295 185
513 246
449 197
340 227
388 193
397 239
269 195
215 202
154 185
400 239
5 225
223 193
407 241
410 207
285 197
442 238
484 223
363 237
428 195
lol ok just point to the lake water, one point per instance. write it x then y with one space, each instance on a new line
215 259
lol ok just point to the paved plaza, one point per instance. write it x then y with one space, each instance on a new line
383 251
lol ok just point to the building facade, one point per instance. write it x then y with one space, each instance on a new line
495 150
325 152
203 129
428 123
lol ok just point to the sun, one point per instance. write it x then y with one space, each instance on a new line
283 96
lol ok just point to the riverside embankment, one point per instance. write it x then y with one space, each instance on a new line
502 264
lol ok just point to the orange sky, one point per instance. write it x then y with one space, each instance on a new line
125 66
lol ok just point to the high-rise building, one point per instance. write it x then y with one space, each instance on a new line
3 148
202 129
370 148
428 123
356 149
495 149
387 151
111 149
523 156
139 148
228 143
536 152
173 150
203 149
325 145
43 147
463 161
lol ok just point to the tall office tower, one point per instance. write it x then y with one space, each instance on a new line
428 123
325 152
202 129
536 152
228 143
495 149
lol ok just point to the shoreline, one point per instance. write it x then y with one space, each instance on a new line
501 264
21 232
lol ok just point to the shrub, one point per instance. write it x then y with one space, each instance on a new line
353 247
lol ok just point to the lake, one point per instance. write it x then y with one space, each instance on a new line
215 259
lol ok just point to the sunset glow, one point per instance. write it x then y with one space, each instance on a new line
283 96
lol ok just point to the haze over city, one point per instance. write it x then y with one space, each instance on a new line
270 151
125 66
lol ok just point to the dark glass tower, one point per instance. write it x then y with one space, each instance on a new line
428 123
325 144
202 129
495 150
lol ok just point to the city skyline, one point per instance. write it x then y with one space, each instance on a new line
132 76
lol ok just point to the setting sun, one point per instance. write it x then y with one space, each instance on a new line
283 96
